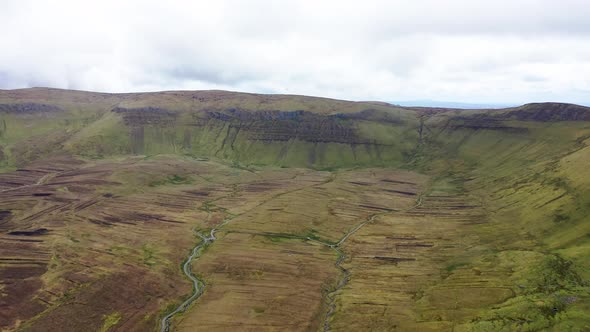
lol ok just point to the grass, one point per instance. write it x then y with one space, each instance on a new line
110 321
149 257
96 133
455 266
276 238
500 243
535 211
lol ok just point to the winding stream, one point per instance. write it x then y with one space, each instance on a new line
198 285
331 296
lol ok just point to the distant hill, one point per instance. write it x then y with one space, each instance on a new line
281 130
450 104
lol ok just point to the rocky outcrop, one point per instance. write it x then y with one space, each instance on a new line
483 123
276 125
295 137
547 112
28 108
503 120
146 116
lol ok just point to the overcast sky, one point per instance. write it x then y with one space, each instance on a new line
501 51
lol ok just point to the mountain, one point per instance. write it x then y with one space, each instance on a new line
449 104
218 210
247 128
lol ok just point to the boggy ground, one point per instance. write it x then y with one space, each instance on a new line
88 245
91 245
98 245
273 266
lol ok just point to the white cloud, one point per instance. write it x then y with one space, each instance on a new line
473 51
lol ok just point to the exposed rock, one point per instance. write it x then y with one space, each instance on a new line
483 123
546 112
146 116
276 125
370 114
499 120
28 108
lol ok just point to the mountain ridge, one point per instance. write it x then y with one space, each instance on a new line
225 93
283 130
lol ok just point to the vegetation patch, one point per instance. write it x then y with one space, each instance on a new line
110 321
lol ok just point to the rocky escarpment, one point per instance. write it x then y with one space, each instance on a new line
281 130
545 112
284 126
136 119
483 123
270 125
146 116
505 119
286 137
23 108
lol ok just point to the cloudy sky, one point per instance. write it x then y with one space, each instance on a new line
501 51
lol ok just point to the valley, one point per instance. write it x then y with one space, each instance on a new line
220 211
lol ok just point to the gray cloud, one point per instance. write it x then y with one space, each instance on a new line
473 51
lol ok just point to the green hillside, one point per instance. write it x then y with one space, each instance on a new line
510 189
243 128
525 165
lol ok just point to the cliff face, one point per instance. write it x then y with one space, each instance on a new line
243 128
256 129
284 126
548 112
286 138
28 108
146 116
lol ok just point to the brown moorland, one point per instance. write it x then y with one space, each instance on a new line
298 213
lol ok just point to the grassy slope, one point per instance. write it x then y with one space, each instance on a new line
93 131
534 188
531 178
